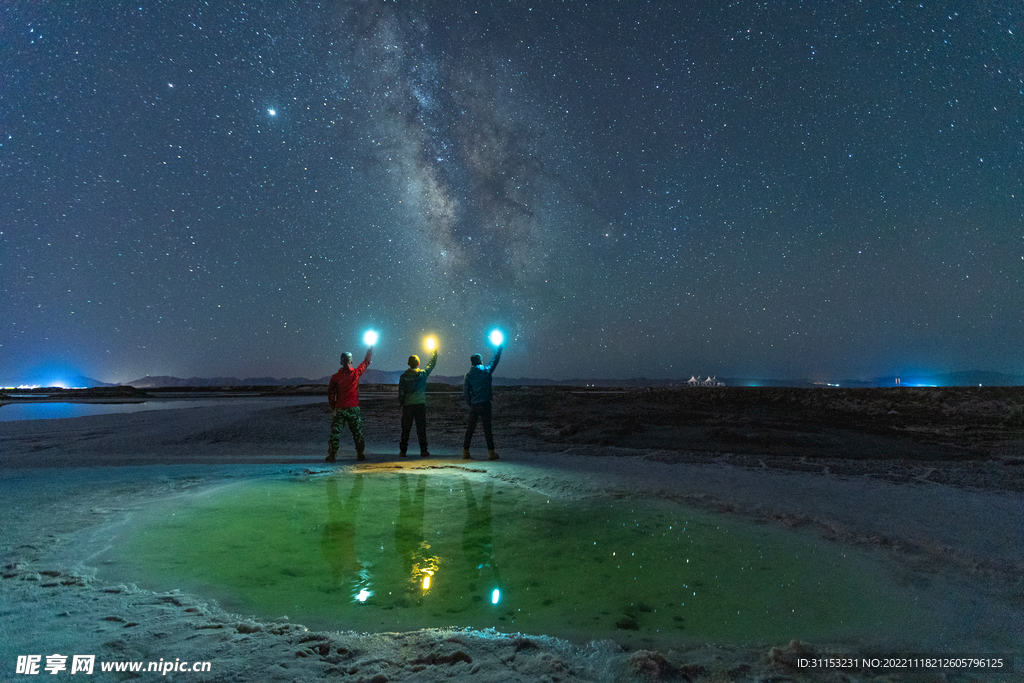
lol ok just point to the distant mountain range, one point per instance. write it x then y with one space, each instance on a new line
371 376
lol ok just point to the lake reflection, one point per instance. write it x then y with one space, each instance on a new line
394 551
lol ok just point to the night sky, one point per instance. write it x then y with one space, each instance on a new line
763 189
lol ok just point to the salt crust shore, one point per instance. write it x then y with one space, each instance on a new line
961 545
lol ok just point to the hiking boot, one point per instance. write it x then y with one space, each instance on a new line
360 456
424 453
465 454
401 454
329 458
491 455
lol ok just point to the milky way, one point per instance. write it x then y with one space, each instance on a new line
463 146
627 189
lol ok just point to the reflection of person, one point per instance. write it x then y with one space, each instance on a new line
412 394
477 390
338 543
478 539
417 562
343 395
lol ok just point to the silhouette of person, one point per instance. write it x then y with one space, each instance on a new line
476 389
412 394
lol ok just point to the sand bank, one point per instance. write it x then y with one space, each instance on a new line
69 484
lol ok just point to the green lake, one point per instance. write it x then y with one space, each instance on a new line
395 551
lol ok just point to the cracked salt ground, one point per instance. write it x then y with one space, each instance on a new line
387 551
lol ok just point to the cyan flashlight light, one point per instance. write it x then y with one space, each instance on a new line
497 338
370 338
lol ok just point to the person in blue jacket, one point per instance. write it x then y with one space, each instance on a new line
412 394
477 391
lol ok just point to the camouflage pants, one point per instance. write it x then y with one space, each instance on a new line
346 417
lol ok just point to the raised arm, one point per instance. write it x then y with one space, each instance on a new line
366 362
495 359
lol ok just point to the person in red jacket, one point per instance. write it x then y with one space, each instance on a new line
343 396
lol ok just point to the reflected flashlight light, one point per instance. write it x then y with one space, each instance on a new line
497 338
495 596
431 343
370 338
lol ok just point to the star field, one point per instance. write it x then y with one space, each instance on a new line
784 189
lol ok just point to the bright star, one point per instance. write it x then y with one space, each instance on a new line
272 112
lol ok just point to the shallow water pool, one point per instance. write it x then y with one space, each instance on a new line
59 410
396 551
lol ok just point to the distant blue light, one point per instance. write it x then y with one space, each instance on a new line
54 374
